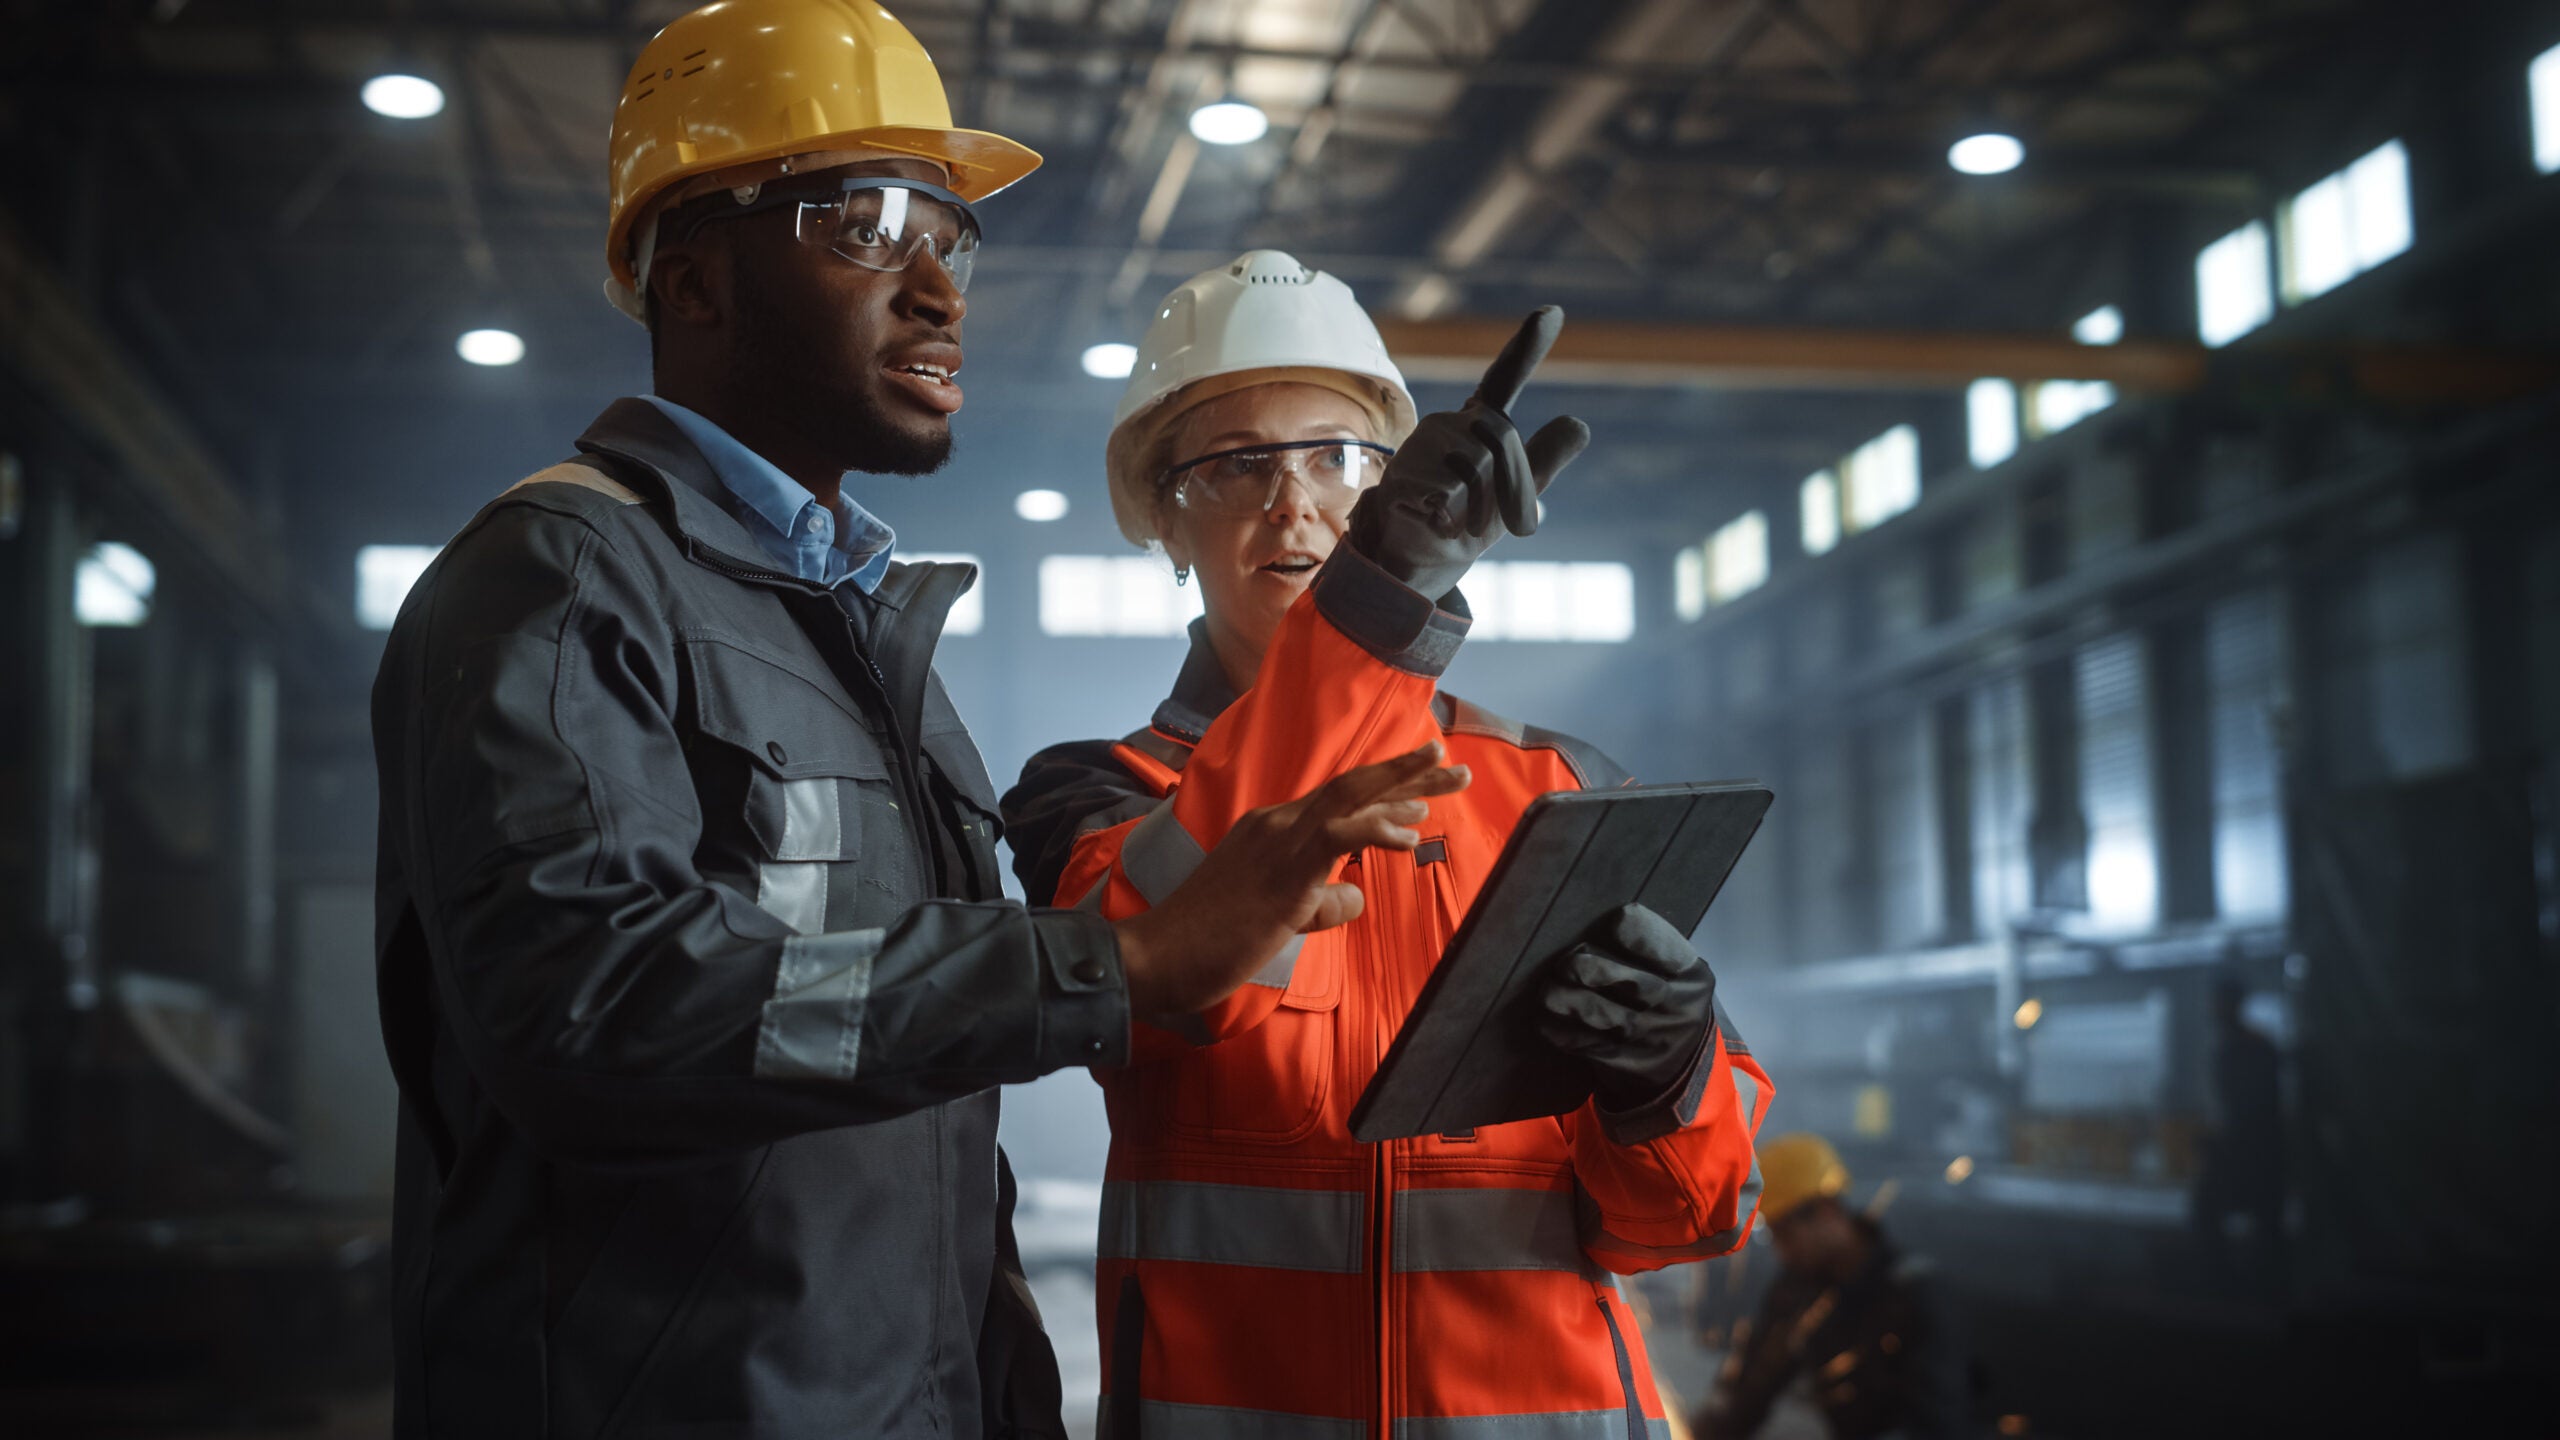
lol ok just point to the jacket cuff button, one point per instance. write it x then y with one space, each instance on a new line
774 749
1088 972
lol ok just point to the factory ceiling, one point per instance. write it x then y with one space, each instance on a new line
203 176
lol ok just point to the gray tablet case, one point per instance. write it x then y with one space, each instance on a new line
1469 1054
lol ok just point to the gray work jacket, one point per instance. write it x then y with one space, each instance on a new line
697 979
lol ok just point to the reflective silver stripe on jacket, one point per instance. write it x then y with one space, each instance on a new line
1547 1425
793 885
1159 854
812 1026
1485 1229
1746 1098
1324 1230
1234 1225
1228 1422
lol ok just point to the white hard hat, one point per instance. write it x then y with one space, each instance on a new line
1261 312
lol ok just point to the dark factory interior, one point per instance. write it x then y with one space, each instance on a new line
2097 462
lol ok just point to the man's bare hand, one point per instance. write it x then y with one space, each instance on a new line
1269 880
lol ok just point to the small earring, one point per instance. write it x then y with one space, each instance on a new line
1181 574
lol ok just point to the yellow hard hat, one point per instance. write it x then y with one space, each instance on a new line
1797 1168
742 81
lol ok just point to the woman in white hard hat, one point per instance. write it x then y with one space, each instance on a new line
1260 1271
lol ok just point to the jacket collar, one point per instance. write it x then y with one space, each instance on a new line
1200 692
690 495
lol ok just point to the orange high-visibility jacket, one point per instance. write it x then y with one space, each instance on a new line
1262 1274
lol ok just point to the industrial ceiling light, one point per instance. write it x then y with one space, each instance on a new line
1040 506
1988 153
1110 360
490 347
403 97
1229 122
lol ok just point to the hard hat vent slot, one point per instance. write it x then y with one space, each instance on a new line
1270 267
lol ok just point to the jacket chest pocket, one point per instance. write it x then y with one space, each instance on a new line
831 847
823 832
1269 1085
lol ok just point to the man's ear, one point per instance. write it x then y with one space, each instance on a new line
688 288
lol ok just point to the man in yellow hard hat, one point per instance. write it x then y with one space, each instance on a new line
1850 1314
695 969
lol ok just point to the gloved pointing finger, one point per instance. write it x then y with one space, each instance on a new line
1510 371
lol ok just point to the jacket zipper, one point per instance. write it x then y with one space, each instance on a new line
1380 990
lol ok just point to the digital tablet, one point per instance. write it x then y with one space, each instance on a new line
1469 1055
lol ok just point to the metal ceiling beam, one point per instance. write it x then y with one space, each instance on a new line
1604 352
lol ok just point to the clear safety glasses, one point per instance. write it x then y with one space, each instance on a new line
1246 481
879 222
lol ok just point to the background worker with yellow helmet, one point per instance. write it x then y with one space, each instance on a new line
695 970
1861 1323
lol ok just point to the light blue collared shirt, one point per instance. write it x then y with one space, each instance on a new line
798 534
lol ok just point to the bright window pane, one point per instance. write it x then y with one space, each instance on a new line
2232 292
113 585
384 574
2347 224
2378 204
1689 582
1738 557
1821 513
2319 250
2102 326
1113 595
2543 79
1881 479
1991 421
1549 600
2060 404
969 612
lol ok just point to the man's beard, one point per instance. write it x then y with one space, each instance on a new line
781 348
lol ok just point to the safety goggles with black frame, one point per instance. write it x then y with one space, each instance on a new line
879 222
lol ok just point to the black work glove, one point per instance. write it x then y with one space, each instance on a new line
1465 475
1634 1002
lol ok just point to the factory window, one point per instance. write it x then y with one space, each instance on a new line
2114 685
1689 582
1880 479
2102 326
969 612
1113 595
2543 79
2346 224
113 585
2233 293
384 574
2246 680
1820 503
1991 421
1592 601
2057 405
2002 806
1737 557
